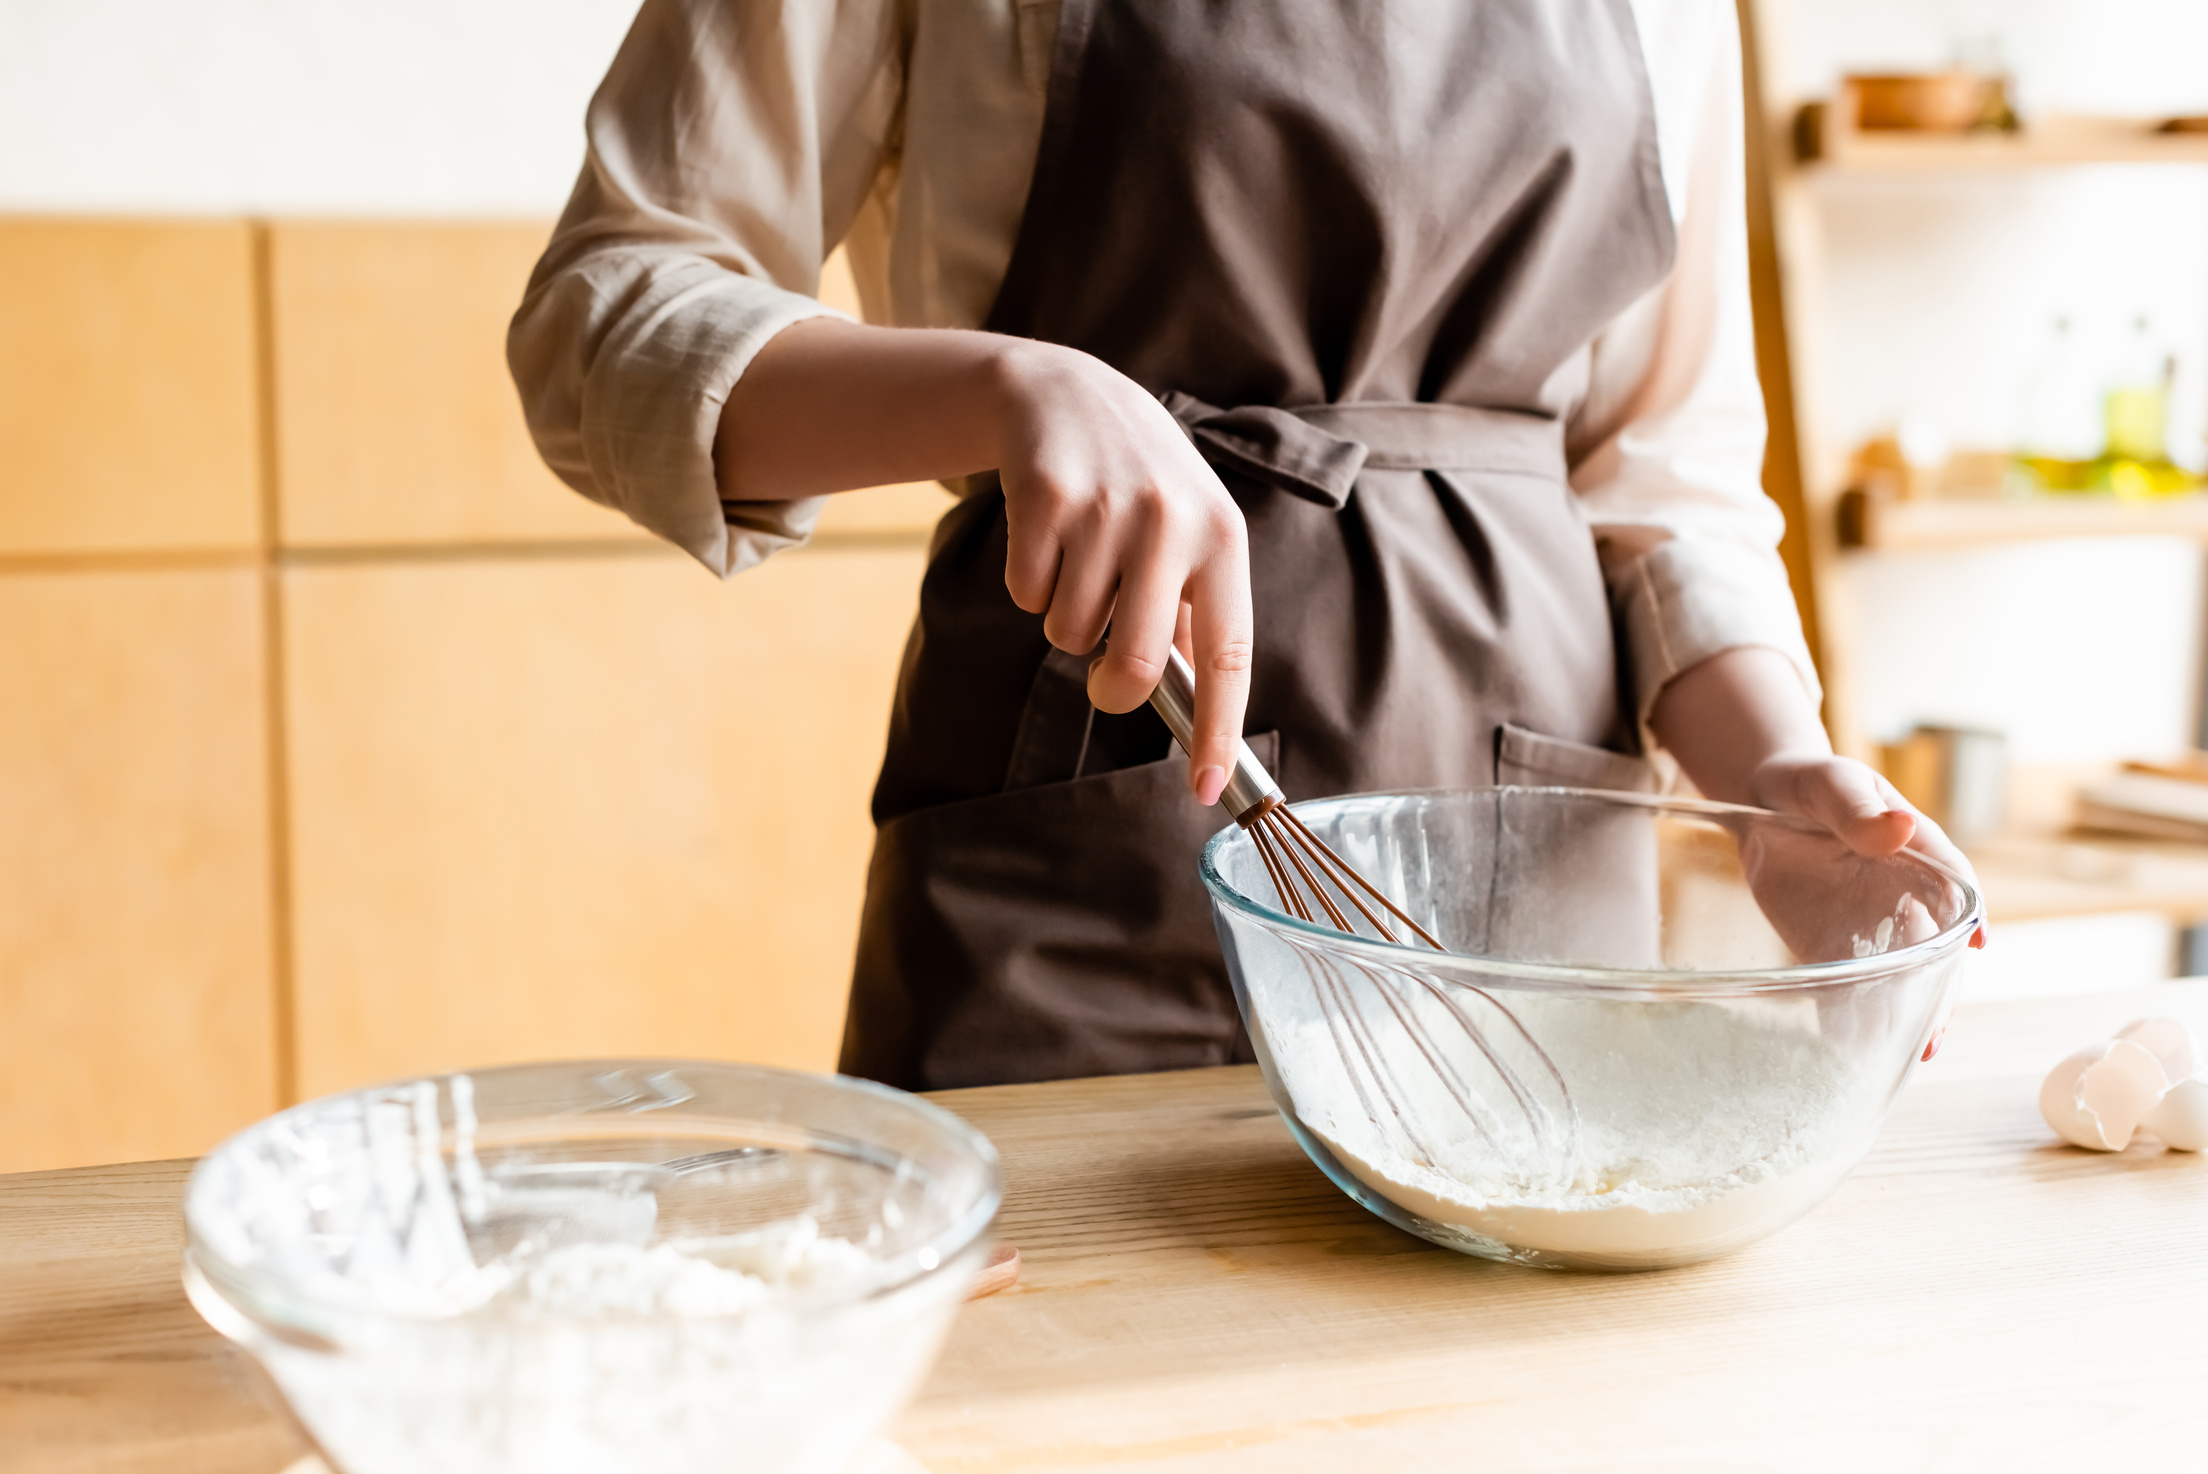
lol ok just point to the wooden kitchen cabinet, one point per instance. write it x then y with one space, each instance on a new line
396 422
137 1000
521 781
128 401
576 806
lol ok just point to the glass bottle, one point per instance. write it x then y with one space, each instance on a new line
2135 413
2058 440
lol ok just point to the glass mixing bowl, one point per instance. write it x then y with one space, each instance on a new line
1664 1028
587 1266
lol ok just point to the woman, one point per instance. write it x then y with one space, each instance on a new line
1393 357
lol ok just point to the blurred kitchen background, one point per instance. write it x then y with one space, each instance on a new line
338 740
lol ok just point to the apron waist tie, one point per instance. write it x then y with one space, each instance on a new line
1317 451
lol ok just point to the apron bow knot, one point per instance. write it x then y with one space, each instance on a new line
1317 451
1272 446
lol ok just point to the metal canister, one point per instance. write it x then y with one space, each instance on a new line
1959 777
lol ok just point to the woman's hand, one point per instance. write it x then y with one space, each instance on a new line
1856 803
1115 520
1742 727
1814 886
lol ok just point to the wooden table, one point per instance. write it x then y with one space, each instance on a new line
1197 1298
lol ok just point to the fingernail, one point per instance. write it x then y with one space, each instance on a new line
1870 808
1932 1045
1210 783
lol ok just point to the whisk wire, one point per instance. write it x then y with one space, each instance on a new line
1317 891
1453 1082
1543 1124
1369 1053
1347 879
1305 872
1308 875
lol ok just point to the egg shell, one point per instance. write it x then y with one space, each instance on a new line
2169 1041
2096 1097
2181 1120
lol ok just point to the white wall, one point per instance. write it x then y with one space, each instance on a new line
396 107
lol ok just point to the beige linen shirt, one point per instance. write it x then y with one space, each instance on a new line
734 143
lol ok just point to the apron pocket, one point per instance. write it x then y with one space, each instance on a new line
1596 852
1529 759
1045 932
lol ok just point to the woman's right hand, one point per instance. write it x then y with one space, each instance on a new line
1115 521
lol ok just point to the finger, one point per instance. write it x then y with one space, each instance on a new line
1220 634
1085 600
1932 842
1142 628
1032 555
1847 799
1183 640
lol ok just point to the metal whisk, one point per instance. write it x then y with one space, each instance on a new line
1312 882
1304 868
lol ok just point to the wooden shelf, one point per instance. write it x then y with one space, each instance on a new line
1822 140
2037 876
1902 526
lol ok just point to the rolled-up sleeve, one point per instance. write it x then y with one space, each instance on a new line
1668 444
731 145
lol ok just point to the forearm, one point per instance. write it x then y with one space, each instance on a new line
1728 717
832 406
1112 519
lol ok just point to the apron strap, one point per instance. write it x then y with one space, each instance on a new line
1316 452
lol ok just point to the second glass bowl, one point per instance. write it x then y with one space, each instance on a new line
676 1266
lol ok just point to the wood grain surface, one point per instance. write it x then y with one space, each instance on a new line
1195 1297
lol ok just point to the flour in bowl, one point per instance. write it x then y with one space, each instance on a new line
686 1356
1701 1125
684 1277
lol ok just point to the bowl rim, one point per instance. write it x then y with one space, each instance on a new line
1554 976
923 1261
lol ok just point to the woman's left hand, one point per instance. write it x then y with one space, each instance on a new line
1857 804
1860 808
1743 727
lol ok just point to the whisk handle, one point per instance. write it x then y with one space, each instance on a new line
1249 785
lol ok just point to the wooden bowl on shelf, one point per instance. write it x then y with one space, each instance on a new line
1927 102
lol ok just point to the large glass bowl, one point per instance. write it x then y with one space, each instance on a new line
373 1251
1663 1028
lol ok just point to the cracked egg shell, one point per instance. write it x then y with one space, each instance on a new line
2097 1097
2181 1120
2168 1040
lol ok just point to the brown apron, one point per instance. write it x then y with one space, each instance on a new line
1356 247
